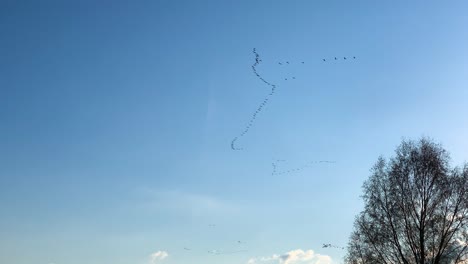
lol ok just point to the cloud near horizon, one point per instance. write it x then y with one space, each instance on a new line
158 256
294 257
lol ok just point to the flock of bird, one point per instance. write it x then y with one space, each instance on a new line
218 252
267 98
298 169
332 246
240 250
251 122
221 252
262 104
324 60
344 58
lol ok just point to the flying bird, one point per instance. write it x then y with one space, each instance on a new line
323 59
331 246
335 58
344 58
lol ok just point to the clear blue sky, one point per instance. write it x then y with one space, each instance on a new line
117 118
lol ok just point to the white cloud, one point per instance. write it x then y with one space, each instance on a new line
263 259
158 256
294 257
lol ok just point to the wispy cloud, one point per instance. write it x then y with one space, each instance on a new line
181 201
293 257
158 256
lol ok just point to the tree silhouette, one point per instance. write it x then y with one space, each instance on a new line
416 210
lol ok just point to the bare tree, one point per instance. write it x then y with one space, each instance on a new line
416 210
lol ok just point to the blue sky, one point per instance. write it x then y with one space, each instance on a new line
117 118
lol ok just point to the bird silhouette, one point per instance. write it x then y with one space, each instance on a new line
335 58
344 58
331 246
323 59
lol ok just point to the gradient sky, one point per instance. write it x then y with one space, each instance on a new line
117 118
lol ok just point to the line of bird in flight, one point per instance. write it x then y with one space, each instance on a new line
252 120
297 169
267 98
228 252
261 105
332 246
221 252
324 60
